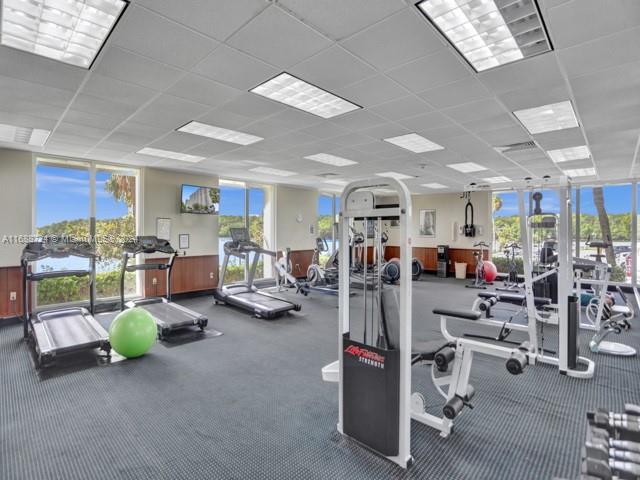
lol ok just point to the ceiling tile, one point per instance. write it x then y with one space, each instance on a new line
338 18
571 137
104 107
325 130
236 69
351 139
332 68
456 93
153 36
178 141
225 119
431 71
169 112
606 52
603 18
129 67
505 136
401 108
117 90
426 122
95 120
252 106
202 90
535 72
358 120
278 38
372 91
37 69
474 111
16 89
215 19
397 39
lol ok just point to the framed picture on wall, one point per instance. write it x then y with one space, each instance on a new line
163 228
183 241
427 226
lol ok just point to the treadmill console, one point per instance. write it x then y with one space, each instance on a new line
240 235
148 244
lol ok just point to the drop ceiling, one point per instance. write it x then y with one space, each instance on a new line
169 63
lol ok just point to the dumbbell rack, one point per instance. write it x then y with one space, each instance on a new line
612 447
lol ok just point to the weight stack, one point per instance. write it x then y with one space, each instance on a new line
371 395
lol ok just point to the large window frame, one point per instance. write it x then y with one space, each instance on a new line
92 166
335 211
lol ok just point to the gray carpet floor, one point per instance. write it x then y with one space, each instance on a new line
251 404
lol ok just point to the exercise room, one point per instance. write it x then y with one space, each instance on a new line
331 239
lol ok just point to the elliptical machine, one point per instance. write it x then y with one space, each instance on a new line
318 275
511 281
480 280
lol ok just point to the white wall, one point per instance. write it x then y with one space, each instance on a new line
16 202
293 204
161 198
449 209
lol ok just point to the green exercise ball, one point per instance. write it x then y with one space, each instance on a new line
133 332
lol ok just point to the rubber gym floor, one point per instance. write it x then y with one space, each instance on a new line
252 404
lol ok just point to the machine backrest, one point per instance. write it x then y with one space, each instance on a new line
391 315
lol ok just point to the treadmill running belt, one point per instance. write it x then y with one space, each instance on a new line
167 314
68 330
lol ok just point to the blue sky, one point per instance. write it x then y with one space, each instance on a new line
617 199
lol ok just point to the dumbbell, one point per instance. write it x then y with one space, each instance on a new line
609 470
519 359
599 451
601 437
620 429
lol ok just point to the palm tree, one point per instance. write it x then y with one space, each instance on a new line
605 227
123 188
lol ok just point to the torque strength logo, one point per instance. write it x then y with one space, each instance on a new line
365 356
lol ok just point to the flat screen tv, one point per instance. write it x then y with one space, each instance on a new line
202 200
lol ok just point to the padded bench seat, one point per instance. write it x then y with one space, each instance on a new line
464 314
514 298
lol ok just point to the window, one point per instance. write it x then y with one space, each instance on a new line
232 215
325 224
605 215
68 195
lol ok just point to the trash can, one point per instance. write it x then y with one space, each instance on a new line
461 270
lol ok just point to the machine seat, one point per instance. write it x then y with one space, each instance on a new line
426 351
515 298
464 314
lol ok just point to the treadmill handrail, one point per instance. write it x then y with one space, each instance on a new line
36 277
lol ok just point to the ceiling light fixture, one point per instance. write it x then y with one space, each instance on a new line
500 179
548 118
568 154
414 143
273 171
183 157
336 181
396 175
489 33
435 186
580 172
331 160
219 133
24 135
70 31
299 94
467 167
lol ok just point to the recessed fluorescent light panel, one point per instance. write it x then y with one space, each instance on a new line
580 172
273 171
299 94
70 31
500 179
183 157
340 183
396 175
219 133
331 160
489 33
27 136
435 186
467 167
548 118
568 154
414 143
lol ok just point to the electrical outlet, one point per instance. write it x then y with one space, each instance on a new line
211 275
154 281
12 296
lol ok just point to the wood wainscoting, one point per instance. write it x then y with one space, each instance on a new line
10 281
428 257
300 261
190 274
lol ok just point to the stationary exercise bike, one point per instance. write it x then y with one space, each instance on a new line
485 270
511 281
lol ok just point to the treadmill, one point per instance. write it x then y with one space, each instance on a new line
64 330
168 316
245 295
